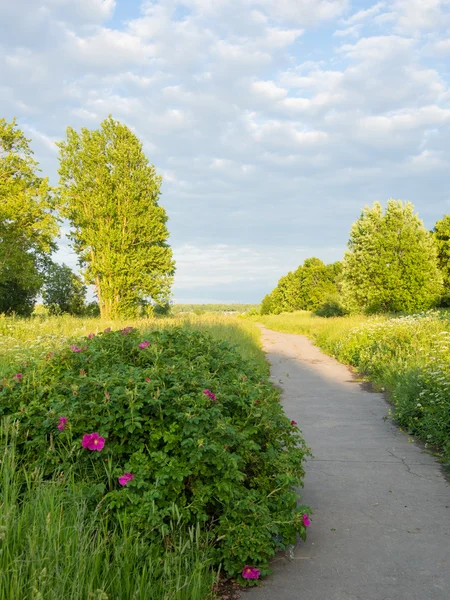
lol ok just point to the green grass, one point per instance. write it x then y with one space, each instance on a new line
30 339
409 356
53 546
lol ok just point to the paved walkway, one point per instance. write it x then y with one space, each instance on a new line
381 523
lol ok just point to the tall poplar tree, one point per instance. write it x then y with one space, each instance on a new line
391 262
110 194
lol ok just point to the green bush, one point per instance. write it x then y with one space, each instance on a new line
184 415
53 546
331 307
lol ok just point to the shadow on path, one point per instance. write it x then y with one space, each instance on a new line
381 523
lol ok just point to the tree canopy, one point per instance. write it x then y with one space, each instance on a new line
28 225
391 262
64 291
306 288
110 194
442 237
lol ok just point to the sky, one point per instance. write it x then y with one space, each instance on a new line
272 122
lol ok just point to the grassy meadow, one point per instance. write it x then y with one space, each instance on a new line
408 356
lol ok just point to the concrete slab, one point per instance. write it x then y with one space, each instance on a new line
381 523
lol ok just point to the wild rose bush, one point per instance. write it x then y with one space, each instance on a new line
169 417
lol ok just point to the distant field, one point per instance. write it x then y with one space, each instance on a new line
213 308
408 356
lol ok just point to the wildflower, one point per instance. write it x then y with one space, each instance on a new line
126 330
144 345
75 348
210 395
306 521
18 377
107 330
91 335
125 478
147 379
250 572
62 423
293 423
93 441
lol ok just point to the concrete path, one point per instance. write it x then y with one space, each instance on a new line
381 523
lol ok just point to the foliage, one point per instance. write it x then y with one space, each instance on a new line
331 307
64 291
27 225
110 193
53 546
266 304
229 459
408 356
391 262
303 289
442 237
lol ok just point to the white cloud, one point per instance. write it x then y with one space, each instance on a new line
267 128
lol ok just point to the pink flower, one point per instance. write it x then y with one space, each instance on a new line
18 377
107 330
125 478
144 345
147 379
306 521
62 423
91 335
93 441
210 395
250 572
75 348
107 396
126 330
293 423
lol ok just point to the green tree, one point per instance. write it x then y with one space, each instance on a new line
317 281
442 237
28 225
391 262
110 193
64 292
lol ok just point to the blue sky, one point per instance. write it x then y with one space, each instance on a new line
273 122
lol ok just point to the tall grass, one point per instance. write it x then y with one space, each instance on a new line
30 339
53 546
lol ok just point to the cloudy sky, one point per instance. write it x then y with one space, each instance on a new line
273 122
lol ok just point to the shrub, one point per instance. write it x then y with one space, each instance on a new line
331 307
185 419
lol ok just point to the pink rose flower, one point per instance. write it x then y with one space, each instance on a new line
306 521
250 572
125 478
210 395
144 345
75 348
293 423
18 377
62 423
91 335
93 441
